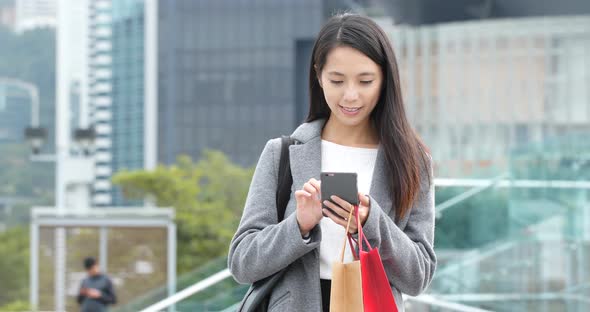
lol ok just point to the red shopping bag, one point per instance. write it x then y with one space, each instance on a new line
377 294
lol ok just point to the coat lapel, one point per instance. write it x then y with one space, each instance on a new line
306 163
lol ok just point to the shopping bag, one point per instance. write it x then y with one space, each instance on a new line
377 293
346 294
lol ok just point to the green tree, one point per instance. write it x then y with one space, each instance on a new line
14 266
208 197
16 306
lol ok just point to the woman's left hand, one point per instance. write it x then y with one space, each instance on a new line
341 211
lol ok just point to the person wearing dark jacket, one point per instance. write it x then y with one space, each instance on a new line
96 290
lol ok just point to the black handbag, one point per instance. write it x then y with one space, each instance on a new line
258 296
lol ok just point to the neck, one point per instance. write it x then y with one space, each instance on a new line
362 135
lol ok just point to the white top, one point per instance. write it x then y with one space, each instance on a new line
340 158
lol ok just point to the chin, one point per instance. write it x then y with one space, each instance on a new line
352 121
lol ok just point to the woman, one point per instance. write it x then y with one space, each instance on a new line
356 123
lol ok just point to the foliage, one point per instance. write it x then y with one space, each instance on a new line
14 267
208 197
19 305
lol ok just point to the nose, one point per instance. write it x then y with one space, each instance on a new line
350 95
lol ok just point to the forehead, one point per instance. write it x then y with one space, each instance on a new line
349 61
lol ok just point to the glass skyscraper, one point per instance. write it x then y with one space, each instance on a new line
226 74
128 88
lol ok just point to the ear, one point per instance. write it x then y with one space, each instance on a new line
318 75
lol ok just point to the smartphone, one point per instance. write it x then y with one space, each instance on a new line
341 184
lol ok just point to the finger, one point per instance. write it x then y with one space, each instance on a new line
364 199
352 228
302 193
337 209
310 189
335 218
342 203
316 184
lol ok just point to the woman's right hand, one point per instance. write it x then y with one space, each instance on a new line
309 206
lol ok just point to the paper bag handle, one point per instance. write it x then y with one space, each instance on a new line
349 238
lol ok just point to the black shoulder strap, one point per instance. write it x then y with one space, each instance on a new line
285 179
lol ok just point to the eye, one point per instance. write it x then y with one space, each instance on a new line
367 82
336 82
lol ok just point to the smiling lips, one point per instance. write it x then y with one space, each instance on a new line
351 111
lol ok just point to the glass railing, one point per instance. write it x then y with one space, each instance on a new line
524 244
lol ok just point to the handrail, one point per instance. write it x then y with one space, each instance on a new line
189 291
453 306
480 185
468 194
515 183
503 297
576 288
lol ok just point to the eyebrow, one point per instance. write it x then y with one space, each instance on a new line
341 74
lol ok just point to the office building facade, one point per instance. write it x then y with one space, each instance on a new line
477 90
31 14
100 96
226 74
128 89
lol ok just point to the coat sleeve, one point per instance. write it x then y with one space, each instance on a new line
408 256
261 246
108 294
80 298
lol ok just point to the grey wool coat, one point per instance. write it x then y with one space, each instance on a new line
261 247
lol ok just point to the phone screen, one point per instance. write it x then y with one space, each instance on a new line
341 184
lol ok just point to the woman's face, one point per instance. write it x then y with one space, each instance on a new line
351 82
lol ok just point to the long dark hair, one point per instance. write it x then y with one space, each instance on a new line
405 154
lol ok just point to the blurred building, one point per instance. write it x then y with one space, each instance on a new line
128 118
167 78
100 71
222 75
15 115
425 12
31 14
499 87
477 90
226 74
